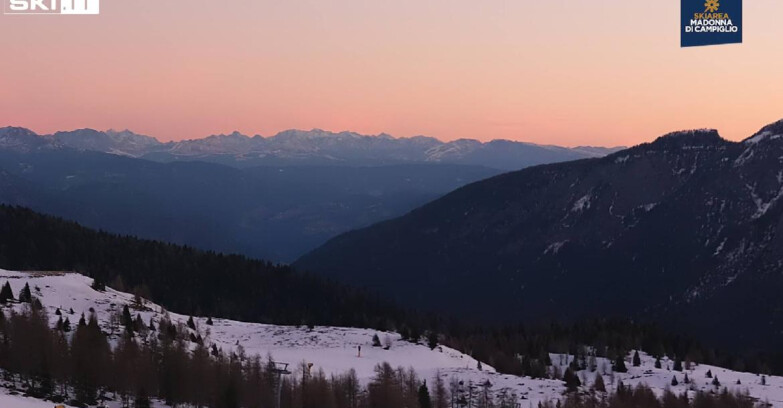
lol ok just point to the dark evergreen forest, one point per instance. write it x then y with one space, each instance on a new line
190 281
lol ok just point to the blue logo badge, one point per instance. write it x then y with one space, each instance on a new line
710 22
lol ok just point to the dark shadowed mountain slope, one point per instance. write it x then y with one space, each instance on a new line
185 279
687 230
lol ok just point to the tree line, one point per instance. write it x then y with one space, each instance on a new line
642 396
164 361
192 281
185 279
524 350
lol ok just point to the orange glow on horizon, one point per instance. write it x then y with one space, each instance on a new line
567 73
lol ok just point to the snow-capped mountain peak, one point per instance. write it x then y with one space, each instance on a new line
315 146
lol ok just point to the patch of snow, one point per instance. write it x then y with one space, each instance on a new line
763 206
648 207
761 137
744 157
582 203
7 400
720 247
19 401
555 247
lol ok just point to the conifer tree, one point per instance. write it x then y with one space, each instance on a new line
441 399
620 388
674 381
657 362
138 324
25 296
709 374
432 340
98 285
127 319
138 300
574 350
715 381
619 364
209 321
171 331
571 380
598 384
90 354
142 400
637 361
677 365
191 323
404 334
6 294
376 342
67 325
424 396
415 335
686 380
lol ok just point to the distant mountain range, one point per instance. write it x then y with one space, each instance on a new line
273 198
314 147
686 230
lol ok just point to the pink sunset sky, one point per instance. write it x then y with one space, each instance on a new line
574 72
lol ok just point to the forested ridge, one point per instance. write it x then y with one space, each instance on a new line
191 281
185 279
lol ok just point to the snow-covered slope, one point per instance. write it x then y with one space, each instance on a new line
9 400
331 349
767 389
335 349
19 401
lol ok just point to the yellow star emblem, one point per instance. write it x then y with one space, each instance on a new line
711 6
